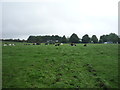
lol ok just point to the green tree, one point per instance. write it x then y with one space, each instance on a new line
74 38
85 39
38 39
104 38
31 39
112 37
94 39
63 39
57 38
100 41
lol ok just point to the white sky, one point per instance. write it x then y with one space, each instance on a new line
22 18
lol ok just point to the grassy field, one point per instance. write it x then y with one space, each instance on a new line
40 66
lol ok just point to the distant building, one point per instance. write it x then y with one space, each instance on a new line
108 42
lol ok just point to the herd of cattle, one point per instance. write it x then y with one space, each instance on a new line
9 44
57 44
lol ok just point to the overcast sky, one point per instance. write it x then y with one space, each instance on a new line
59 17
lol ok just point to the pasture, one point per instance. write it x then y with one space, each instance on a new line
49 66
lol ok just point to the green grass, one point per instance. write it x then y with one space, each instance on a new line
40 66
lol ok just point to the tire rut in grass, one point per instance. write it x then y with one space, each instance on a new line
58 78
99 81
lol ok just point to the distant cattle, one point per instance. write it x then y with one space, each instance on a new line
58 44
27 44
37 43
85 45
61 43
5 44
9 44
34 43
13 44
73 44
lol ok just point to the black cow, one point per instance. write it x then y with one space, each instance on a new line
73 44
34 43
85 45
37 43
58 44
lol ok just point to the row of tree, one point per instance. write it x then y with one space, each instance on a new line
112 37
14 40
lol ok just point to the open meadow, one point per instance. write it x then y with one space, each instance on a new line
64 66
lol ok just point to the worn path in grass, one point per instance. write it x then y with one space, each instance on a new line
94 66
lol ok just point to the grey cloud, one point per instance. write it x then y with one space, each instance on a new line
23 19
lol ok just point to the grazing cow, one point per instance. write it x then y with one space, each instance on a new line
34 43
37 43
61 43
73 44
85 45
5 45
27 44
58 44
10 44
13 44
46 43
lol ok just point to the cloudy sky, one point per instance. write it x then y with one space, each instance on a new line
58 17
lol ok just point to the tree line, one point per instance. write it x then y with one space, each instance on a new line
13 40
112 38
